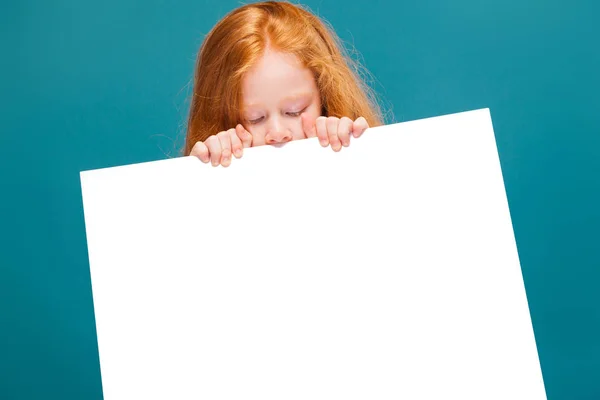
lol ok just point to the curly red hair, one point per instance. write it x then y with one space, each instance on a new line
235 44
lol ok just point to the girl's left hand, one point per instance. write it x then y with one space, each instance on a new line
333 131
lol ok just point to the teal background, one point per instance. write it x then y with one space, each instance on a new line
95 84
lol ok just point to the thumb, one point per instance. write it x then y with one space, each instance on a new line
244 135
308 126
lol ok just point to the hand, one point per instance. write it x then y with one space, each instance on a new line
218 148
334 131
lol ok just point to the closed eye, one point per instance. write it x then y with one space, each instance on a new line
255 121
296 114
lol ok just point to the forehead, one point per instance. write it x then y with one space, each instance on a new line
275 77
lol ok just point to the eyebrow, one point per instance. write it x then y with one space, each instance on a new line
293 97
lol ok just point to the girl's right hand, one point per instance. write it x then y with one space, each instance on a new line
218 149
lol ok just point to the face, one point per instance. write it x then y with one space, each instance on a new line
275 92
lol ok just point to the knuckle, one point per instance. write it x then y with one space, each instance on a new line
199 146
200 151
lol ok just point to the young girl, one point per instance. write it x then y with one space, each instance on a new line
269 73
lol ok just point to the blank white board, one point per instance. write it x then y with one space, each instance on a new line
388 270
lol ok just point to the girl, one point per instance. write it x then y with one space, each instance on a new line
269 73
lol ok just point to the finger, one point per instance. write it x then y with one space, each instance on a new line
244 136
359 127
321 128
225 141
344 128
308 125
214 148
332 131
201 151
236 143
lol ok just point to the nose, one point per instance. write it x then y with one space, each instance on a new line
278 137
277 134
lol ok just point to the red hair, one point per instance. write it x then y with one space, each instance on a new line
238 41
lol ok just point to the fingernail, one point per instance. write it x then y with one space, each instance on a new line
238 153
323 142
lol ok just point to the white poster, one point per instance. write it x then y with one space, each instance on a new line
388 270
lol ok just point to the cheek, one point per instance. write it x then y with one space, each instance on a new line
258 135
298 132
314 110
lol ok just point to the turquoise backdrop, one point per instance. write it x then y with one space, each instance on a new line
88 84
